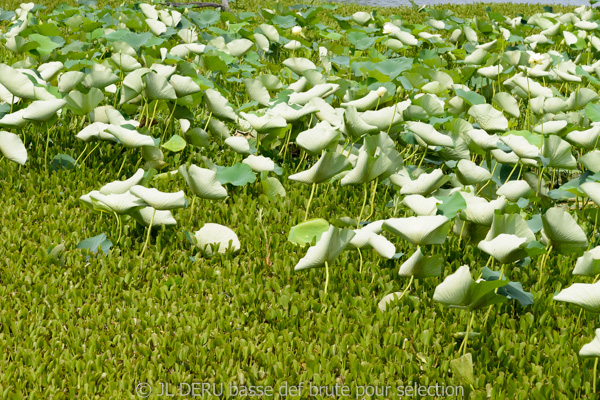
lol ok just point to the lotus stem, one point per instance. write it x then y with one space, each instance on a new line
148 235
595 373
539 182
169 119
483 187
362 208
360 257
464 343
301 161
86 157
312 193
119 227
393 114
192 208
326 276
122 164
373 191
82 153
208 120
412 278
544 260
461 232
422 158
511 172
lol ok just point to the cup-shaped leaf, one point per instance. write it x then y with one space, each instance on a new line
591 349
505 248
203 182
159 200
584 295
327 249
119 187
215 234
562 231
329 165
422 230
12 147
421 266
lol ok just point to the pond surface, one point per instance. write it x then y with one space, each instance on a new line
399 3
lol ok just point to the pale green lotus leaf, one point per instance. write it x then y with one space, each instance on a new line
491 72
489 118
482 139
578 99
425 184
68 80
584 295
218 105
385 117
554 105
355 126
562 231
469 173
507 103
159 200
329 165
505 248
262 42
156 27
420 266
291 114
265 123
421 230
299 64
239 144
421 205
157 87
299 85
429 135
589 263
364 103
49 70
514 190
189 36
203 182
520 146
125 62
257 91
157 217
366 239
318 91
12 147
14 120
387 299
505 158
394 44
550 127
470 34
316 139
565 77
133 84
327 249
217 129
591 349
368 167
589 160
407 38
361 17
477 57
459 290
43 110
7 96
271 82
592 190
215 234
272 188
149 10
122 203
239 47
259 163
96 130
293 45
130 138
587 139
532 87
559 153
481 211
183 85
99 79
120 187
270 32
513 224
16 82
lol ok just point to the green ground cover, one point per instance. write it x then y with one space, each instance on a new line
74 324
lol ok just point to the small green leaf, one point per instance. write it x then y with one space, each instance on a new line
175 144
